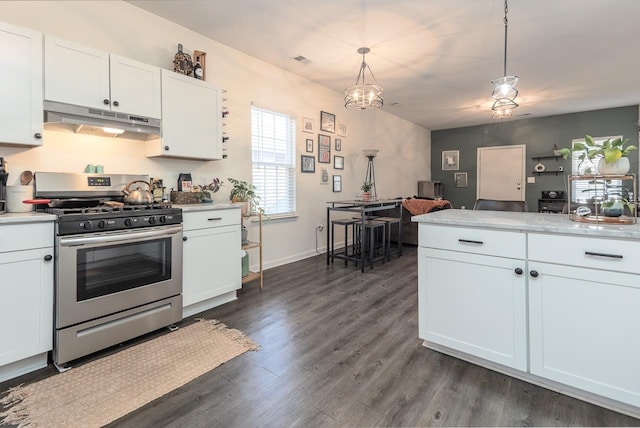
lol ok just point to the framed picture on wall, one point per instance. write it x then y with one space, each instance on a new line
338 162
338 144
308 125
450 160
307 163
343 130
309 145
324 148
460 178
327 122
337 183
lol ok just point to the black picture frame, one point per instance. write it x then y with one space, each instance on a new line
309 145
307 164
337 183
327 122
324 148
338 162
338 144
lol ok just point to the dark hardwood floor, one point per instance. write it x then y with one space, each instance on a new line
341 348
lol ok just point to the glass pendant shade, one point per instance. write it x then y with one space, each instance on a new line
504 88
364 95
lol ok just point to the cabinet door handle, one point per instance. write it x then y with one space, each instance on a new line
534 273
105 101
611 256
469 241
166 148
184 238
48 257
518 271
37 135
116 103
214 218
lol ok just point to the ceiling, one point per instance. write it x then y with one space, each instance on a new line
436 58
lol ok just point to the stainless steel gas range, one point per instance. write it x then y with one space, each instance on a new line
118 270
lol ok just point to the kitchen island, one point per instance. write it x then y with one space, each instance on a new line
535 296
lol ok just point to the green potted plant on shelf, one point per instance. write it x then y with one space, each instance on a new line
245 193
614 159
366 190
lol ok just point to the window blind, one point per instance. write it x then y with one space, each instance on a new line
274 160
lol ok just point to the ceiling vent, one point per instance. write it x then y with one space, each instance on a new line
302 59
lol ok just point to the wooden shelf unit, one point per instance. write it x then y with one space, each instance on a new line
252 245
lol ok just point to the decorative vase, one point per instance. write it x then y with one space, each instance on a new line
619 167
366 196
586 167
613 208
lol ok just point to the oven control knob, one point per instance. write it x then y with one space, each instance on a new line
152 220
163 219
88 225
128 221
102 224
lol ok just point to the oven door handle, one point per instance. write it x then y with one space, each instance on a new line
120 237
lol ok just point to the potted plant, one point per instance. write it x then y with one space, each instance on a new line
244 192
614 159
206 190
366 190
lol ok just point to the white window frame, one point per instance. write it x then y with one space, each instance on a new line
579 188
273 156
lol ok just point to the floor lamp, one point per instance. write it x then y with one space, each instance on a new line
370 176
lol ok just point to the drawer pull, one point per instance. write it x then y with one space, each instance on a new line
534 273
611 256
518 271
214 218
468 241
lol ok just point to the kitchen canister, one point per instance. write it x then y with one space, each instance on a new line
15 196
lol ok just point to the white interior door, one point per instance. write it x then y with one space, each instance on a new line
501 174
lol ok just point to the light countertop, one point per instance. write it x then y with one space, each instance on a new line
207 207
527 222
30 217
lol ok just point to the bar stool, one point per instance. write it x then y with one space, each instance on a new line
346 223
390 221
369 236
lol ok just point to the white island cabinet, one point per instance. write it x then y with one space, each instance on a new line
212 263
574 294
21 86
464 272
584 306
26 293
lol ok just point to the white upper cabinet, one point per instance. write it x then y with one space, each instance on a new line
80 75
191 119
21 86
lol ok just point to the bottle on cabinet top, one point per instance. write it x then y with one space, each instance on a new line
182 62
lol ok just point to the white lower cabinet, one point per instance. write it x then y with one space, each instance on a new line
212 264
584 323
26 298
474 303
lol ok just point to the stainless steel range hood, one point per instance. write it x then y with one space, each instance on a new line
86 120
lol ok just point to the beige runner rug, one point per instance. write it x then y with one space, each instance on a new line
106 389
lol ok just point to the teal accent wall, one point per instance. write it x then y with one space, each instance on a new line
539 135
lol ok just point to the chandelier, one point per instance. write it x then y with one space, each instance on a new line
364 95
504 91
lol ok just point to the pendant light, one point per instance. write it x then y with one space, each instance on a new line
504 91
364 95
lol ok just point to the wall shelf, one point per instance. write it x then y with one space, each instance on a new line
548 172
545 157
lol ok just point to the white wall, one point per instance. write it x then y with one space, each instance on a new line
121 28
